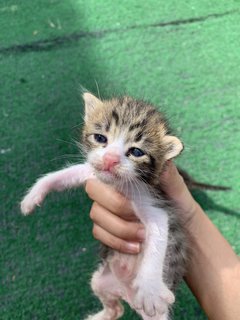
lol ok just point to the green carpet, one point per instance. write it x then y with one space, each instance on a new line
182 55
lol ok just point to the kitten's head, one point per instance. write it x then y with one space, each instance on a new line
126 140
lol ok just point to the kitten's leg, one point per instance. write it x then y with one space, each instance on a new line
152 295
108 289
67 178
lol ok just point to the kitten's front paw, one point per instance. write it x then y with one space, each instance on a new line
153 297
30 201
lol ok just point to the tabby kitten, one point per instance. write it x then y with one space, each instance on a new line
127 143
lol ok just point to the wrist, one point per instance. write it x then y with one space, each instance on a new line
186 204
192 217
173 185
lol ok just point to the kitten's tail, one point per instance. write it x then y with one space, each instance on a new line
193 184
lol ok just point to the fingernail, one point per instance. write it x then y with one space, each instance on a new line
141 234
133 247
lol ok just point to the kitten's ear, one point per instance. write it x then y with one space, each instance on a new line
173 146
91 102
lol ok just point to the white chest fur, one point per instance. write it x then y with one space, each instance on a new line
144 289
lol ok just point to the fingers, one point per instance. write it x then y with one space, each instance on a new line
115 223
115 232
114 242
107 197
171 181
175 188
131 231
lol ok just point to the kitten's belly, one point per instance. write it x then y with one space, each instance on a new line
125 266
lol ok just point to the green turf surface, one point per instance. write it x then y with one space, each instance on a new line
182 55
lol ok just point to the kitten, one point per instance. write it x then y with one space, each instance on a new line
127 143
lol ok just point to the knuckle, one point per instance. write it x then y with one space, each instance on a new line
122 231
95 232
115 243
89 188
121 246
94 211
120 201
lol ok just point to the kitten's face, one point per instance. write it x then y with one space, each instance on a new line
126 140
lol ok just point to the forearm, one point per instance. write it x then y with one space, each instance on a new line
214 270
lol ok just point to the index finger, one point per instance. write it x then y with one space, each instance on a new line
110 199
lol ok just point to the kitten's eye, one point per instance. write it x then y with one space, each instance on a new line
136 152
100 138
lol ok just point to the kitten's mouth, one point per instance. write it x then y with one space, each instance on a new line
108 173
99 169
106 176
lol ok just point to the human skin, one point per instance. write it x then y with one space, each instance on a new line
214 269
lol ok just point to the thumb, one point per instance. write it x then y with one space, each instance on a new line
171 181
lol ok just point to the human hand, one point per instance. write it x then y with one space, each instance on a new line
114 222
173 185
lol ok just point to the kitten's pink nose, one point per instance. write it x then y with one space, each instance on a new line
110 160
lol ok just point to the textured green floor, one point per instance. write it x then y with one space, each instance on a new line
183 55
